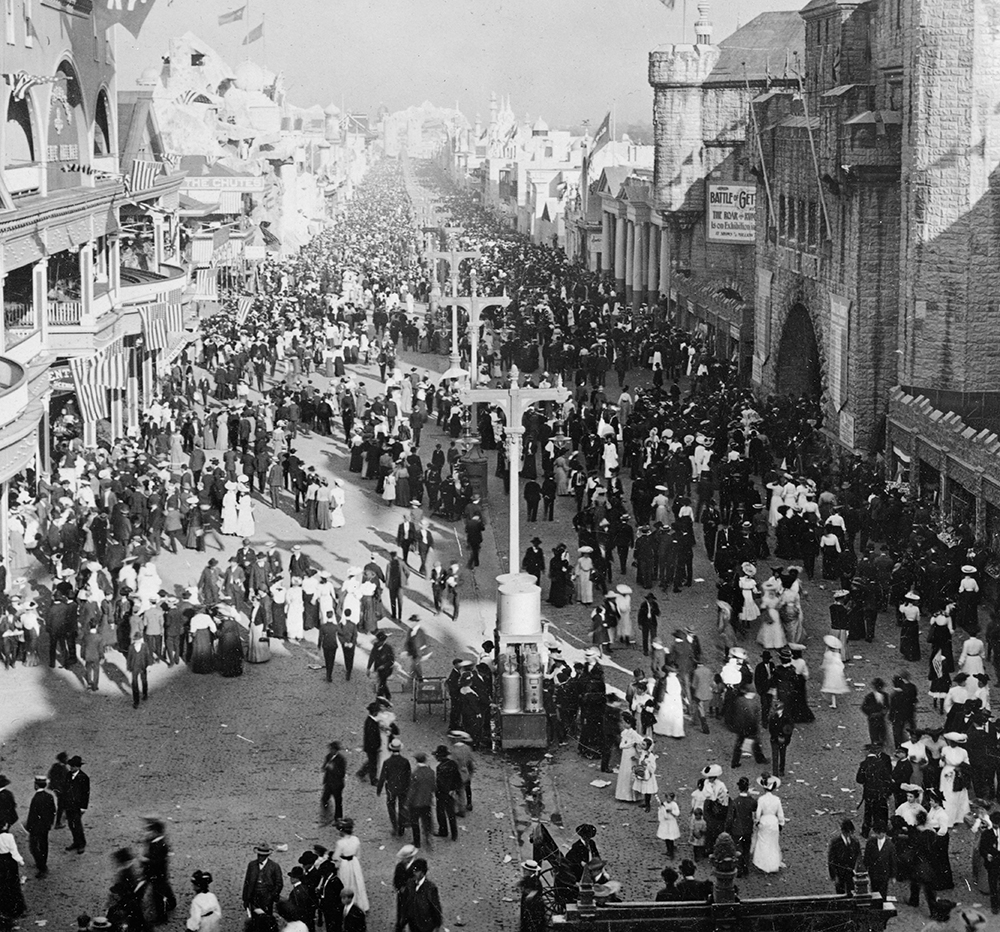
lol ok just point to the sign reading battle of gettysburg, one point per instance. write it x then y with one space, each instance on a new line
730 213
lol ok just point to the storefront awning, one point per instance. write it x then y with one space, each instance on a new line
189 207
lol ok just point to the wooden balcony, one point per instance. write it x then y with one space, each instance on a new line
140 286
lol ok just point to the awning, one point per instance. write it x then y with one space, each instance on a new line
900 455
230 202
874 117
189 207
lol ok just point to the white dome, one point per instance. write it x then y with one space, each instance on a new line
150 77
250 77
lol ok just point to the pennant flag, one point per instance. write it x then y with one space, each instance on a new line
130 13
154 325
254 34
142 175
603 134
669 4
233 17
188 97
243 310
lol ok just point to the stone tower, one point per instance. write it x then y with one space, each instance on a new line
949 321
676 73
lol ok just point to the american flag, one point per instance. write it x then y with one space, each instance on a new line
154 325
142 175
175 317
188 97
243 307
206 286
94 375
21 82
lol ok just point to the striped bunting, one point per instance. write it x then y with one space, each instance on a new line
154 325
206 286
94 375
243 307
143 175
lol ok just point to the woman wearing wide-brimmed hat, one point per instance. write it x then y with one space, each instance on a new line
834 681
768 820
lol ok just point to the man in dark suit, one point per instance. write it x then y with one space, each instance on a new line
8 806
328 632
397 574
425 544
739 823
842 856
875 776
371 743
76 801
534 560
406 537
395 780
989 851
902 707
880 860
334 775
137 663
421 901
448 783
418 800
348 635
353 917
300 904
41 819
262 883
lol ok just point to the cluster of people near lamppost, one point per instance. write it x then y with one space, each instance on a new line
708 466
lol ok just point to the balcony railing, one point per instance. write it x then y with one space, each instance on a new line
18 322
139 285
65 313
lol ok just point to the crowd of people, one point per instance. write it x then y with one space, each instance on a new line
707 465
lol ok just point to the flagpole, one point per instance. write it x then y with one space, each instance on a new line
614 131
246 39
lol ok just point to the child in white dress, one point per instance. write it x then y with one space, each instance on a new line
668 828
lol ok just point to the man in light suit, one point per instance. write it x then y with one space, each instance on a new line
262 883
425 545
421 901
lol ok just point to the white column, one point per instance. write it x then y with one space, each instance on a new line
40 296
5 532
514 435
665 261
159 251
606 257
653 265
629 256
87 283
621 238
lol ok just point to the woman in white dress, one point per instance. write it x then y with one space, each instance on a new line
337 499
834 680
148 582
768 819
583 576
205 913
748 586
230 516
630 740
294 610
245 526
956 801
776 502
770 635
623 598
345 855
389 490
670 713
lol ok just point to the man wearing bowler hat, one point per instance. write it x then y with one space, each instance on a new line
76 801
262 883
41 818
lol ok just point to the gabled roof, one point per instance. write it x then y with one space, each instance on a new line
138 131
612 179
764 49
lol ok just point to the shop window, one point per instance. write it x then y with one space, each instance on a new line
929 491
791 218
960 505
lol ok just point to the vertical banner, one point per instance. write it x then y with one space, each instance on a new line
762 319
838 349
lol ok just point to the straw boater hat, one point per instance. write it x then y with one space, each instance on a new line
768 782
911 596
623 589
955 737
832 642
712 770
969 569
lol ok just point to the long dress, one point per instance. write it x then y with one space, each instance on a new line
776 501
229 648
630 740
294 613
389 490
562 476
624 600
345 854
749 610
834 679
670 714
245 526
202 629
259 647
646 784
323 508
769 817
770 635
337 498
230 515
956 802
583 575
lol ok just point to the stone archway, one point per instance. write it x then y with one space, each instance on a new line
798 370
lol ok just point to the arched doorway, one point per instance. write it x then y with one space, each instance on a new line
798 372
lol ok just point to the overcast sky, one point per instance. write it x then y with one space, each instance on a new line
564 59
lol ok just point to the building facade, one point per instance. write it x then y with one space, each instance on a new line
698 237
